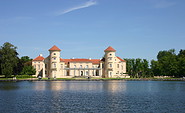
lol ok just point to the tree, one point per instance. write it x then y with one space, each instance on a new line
146 70
28 70
8 59
168 63
23 61
155 68
138 68
181 63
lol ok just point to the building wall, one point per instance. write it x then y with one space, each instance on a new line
38 65
112 67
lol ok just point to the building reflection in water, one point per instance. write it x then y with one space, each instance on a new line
39 85
115 86
112 86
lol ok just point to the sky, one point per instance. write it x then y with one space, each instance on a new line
85 28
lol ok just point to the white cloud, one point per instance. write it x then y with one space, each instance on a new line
84 5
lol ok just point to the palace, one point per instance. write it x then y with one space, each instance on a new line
53 66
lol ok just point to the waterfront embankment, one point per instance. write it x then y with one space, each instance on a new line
93 79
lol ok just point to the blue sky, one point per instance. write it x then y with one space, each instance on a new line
84 28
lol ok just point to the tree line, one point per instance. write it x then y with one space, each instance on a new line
11 64
168 63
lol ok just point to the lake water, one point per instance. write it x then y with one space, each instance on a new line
92 96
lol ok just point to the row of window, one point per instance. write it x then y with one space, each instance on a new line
61 66
110 73
110 58
36 67
35 62
118 66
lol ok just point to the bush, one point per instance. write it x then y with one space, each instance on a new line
24 76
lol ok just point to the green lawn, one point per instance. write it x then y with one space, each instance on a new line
27 77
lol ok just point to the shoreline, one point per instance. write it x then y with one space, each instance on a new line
102 79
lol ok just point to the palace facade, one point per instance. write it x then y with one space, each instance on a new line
53 66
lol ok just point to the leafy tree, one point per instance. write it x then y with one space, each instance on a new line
181 63
155 68
23 61
168 63
8 59
28 70
138 68
146 71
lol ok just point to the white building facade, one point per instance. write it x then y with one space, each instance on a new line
53 66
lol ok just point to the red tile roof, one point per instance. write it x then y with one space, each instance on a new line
39 58
110 49
62 60
94 61
54 48
121 59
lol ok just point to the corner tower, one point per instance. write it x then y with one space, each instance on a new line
54 61
109 62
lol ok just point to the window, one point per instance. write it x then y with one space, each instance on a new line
34 66
87 73
87 66
74 66
80 66
110 54
61 65
110 73
110 58
110 65
39 67
54 65
54 53
122 67
117 65
54 58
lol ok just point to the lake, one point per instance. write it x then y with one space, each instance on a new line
114 96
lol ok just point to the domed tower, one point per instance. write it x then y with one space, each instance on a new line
109 62
54 61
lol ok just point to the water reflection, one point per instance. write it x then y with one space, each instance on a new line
8 86
98 86
115 86
92 96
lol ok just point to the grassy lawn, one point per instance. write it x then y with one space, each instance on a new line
28 77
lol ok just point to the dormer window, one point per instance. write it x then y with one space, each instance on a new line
110 54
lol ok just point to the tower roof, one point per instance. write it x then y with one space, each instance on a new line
39 58
110 49
54 48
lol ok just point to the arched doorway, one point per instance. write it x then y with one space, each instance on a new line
81 73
